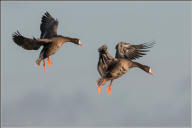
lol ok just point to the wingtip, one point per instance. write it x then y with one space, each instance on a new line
153 42
16 33
102 48
149 44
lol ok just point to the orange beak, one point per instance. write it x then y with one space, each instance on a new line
150 72
80 43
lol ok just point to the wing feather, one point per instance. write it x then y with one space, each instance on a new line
105 60
131 52
48 26
28 43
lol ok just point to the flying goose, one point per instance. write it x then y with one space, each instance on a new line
49 40
111 68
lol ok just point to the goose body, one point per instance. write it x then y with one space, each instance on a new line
117 69
56 43
49 40
111 68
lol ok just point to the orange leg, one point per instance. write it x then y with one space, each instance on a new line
109 88
44 64
49 63
99 87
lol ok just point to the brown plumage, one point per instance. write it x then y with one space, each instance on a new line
50 41
48 26
111 68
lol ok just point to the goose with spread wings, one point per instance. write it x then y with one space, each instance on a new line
49 40
111 68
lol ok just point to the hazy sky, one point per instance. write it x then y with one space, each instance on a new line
67 94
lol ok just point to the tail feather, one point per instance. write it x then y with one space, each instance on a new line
38 61
99 81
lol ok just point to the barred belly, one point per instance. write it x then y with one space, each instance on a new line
52 50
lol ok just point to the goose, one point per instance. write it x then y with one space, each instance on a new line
49 40
111 68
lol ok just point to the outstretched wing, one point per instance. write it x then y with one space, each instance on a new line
48 26
27 43
105 60
128 51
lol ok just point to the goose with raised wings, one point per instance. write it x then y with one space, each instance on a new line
111 68
49 40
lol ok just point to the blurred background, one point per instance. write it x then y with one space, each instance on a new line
67 94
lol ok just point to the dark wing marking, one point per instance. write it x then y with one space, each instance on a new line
28 43
105 60
128 51
48 26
